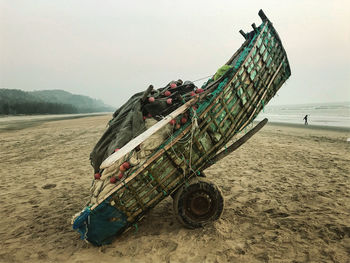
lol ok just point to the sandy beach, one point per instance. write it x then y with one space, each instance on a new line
287 199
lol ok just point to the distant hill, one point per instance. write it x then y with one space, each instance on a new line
14 101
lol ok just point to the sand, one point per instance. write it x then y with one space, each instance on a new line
287 199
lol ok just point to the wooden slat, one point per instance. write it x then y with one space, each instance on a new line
235 145
162 181
156 199
136 197
262 97
234 127
155 182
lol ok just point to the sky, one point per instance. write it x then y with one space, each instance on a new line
110 50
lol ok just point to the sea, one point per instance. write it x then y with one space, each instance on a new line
320 114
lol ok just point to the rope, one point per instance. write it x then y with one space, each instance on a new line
194 126
136 228
86 228
151 176
202 78
171 147
263 104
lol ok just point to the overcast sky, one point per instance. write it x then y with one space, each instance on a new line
111 49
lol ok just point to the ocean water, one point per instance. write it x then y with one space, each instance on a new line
325 114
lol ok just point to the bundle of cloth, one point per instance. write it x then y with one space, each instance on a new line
129 120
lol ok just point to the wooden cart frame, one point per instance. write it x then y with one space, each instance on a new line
228 105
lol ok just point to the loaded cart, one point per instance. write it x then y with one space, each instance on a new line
167 153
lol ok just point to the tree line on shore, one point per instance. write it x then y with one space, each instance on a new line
36 108
14 102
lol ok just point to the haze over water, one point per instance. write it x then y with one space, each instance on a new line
325 114
110 50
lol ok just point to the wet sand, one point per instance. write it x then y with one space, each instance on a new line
287 199
18 122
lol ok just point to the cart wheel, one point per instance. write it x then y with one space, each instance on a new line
198 203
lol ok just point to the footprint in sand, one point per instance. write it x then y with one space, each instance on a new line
48 186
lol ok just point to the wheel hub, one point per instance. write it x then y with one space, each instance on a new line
200 204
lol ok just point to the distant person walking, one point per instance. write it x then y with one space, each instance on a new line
305 118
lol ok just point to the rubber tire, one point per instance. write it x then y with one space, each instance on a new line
184 195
